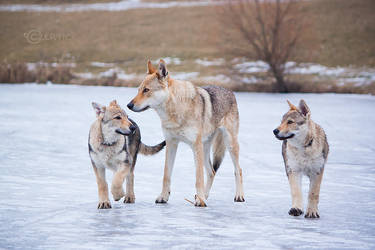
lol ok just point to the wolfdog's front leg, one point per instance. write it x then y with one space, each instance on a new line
199 184
312 207
102 188
295 179
170 155
118 180
129 196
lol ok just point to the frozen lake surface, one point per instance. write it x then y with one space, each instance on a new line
49 193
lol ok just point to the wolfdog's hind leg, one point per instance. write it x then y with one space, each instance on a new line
313 200
233 148
210 173
118 180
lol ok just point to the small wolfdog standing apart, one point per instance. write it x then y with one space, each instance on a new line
114 142
305 150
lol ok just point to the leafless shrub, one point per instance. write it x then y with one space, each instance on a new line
20 73
15 73
57 74
270 31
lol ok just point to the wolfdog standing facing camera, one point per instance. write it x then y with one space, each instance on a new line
305 151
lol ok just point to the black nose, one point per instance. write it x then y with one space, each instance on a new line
132 128
130 105
275 131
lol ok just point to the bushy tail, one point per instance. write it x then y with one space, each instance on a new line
218 148
151 150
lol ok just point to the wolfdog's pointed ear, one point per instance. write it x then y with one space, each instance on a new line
150 68
162 69
99 109
113 103
292 107
305 110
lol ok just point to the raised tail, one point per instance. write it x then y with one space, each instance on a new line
151 150
218 148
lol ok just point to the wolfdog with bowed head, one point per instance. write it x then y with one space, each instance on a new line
305 151
200 117
114 143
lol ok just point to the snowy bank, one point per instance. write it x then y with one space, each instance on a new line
110 6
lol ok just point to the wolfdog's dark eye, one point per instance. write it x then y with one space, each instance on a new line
290 122
118 117
145 90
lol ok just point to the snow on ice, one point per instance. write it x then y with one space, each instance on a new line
215 62
109 6
49 193
102 64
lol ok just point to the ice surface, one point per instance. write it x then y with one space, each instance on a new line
49 194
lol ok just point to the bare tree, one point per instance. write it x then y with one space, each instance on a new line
271 29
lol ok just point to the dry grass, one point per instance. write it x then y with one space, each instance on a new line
344 29
15 73
346 32
127 37
19 73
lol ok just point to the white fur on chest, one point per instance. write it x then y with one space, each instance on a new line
303 160
109 157
185 134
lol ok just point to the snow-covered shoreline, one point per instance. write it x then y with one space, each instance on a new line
237 71
360 76
110 6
